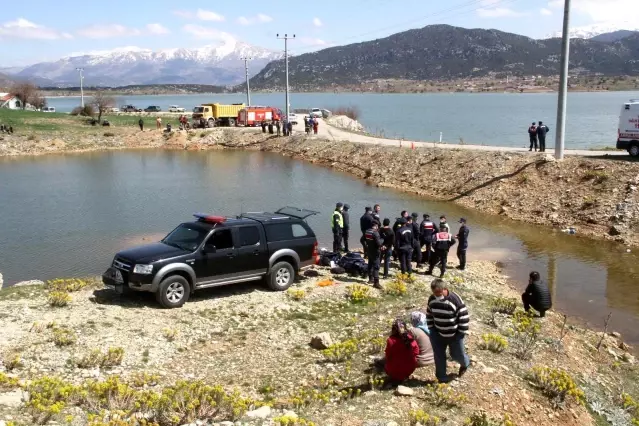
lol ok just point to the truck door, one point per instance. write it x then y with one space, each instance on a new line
218 259
252 250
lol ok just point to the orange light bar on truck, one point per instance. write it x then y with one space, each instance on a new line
209 218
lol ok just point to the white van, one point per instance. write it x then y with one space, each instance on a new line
628 138
48 109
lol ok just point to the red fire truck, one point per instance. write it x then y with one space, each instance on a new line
253 116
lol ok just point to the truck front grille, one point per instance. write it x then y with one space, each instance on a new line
121 264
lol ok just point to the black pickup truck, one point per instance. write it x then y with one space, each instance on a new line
214 251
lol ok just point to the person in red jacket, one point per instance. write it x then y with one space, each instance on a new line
401 353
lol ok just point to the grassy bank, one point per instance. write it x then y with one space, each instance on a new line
246 347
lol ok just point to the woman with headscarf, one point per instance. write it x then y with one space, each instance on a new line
422 336
401 353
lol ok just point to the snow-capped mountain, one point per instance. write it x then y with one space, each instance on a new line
215 64
591 31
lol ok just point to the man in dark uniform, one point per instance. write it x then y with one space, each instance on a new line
542 130
442 221
376 210
442 242
462 238
426 230
537 295
532 133
398 221
337 226
347 225
417 245
365 223
374 245
404 246
388 236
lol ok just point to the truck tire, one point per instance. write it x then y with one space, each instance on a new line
173 292
210 123
281 277
634 150
232 122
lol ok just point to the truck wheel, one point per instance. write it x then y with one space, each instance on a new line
211 123
232 122
634 150
173 292
281 277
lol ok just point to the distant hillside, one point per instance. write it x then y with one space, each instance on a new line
614 36
5 81
146 89
446 52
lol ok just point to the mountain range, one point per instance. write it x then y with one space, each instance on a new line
446 52
216 64
607 31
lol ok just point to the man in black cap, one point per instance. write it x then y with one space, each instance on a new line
417 245
404 246
462 238
426 231
388 236
365 223
374 245
337 226
347 225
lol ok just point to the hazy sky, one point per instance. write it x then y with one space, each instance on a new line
39 30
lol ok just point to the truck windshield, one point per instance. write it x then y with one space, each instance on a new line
198 110
186 237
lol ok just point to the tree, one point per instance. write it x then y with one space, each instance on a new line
102 102
25 92
38 101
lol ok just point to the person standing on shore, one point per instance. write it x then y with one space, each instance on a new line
278 127
158 123
263 124
532 134
376 210
388 236
542 130
404 246
337 225
462 238
289 128
442 242
537 295
374 245
427 230
398 222
315 125
448 320
141 124
417 245
347 225
365 223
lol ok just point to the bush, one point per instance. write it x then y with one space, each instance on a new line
342 351
170 334
8 383
493 342
58 299
296 294
359 294
143 379
85 111
351 112
423 418
113 357
63 337
288 420
596 176
396 288
482 419
67 285
556 384
502 305
526 334
377 345
48 396
443 395
91 359
12 361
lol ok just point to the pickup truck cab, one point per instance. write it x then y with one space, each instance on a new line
628 134
212 251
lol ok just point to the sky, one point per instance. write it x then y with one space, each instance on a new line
38 30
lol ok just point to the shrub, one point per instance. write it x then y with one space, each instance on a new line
67 285
58 299
12 361
482 419
630 405
288 420
296 294
407 278
341 351
377 345
85 111
48 396
526 334
376 382
170 334
423 418
63 336
110 394
502 305
7 382
596 176
351 112
493 342
396 288
91 359
556 384
359 294
142 379
443 395
113 357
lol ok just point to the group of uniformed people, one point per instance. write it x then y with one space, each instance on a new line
426 242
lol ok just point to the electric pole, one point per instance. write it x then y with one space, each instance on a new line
286 38
563 85
248 88
81 71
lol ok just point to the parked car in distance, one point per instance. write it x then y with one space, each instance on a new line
48 109
628 133
292 117
212 251
175 108
316 112
130 108
114 109
152 108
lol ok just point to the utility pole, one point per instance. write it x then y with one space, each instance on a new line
563 85
248 88
286 38
81 71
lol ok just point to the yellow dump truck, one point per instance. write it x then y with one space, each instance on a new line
212 115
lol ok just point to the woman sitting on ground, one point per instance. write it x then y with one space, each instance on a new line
422 336
401 353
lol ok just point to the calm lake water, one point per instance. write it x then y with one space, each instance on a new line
489 119
67 215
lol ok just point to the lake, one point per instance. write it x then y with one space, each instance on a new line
66 215
480 119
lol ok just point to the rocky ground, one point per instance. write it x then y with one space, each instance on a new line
257 342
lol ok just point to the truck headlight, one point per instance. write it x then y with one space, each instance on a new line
143 269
